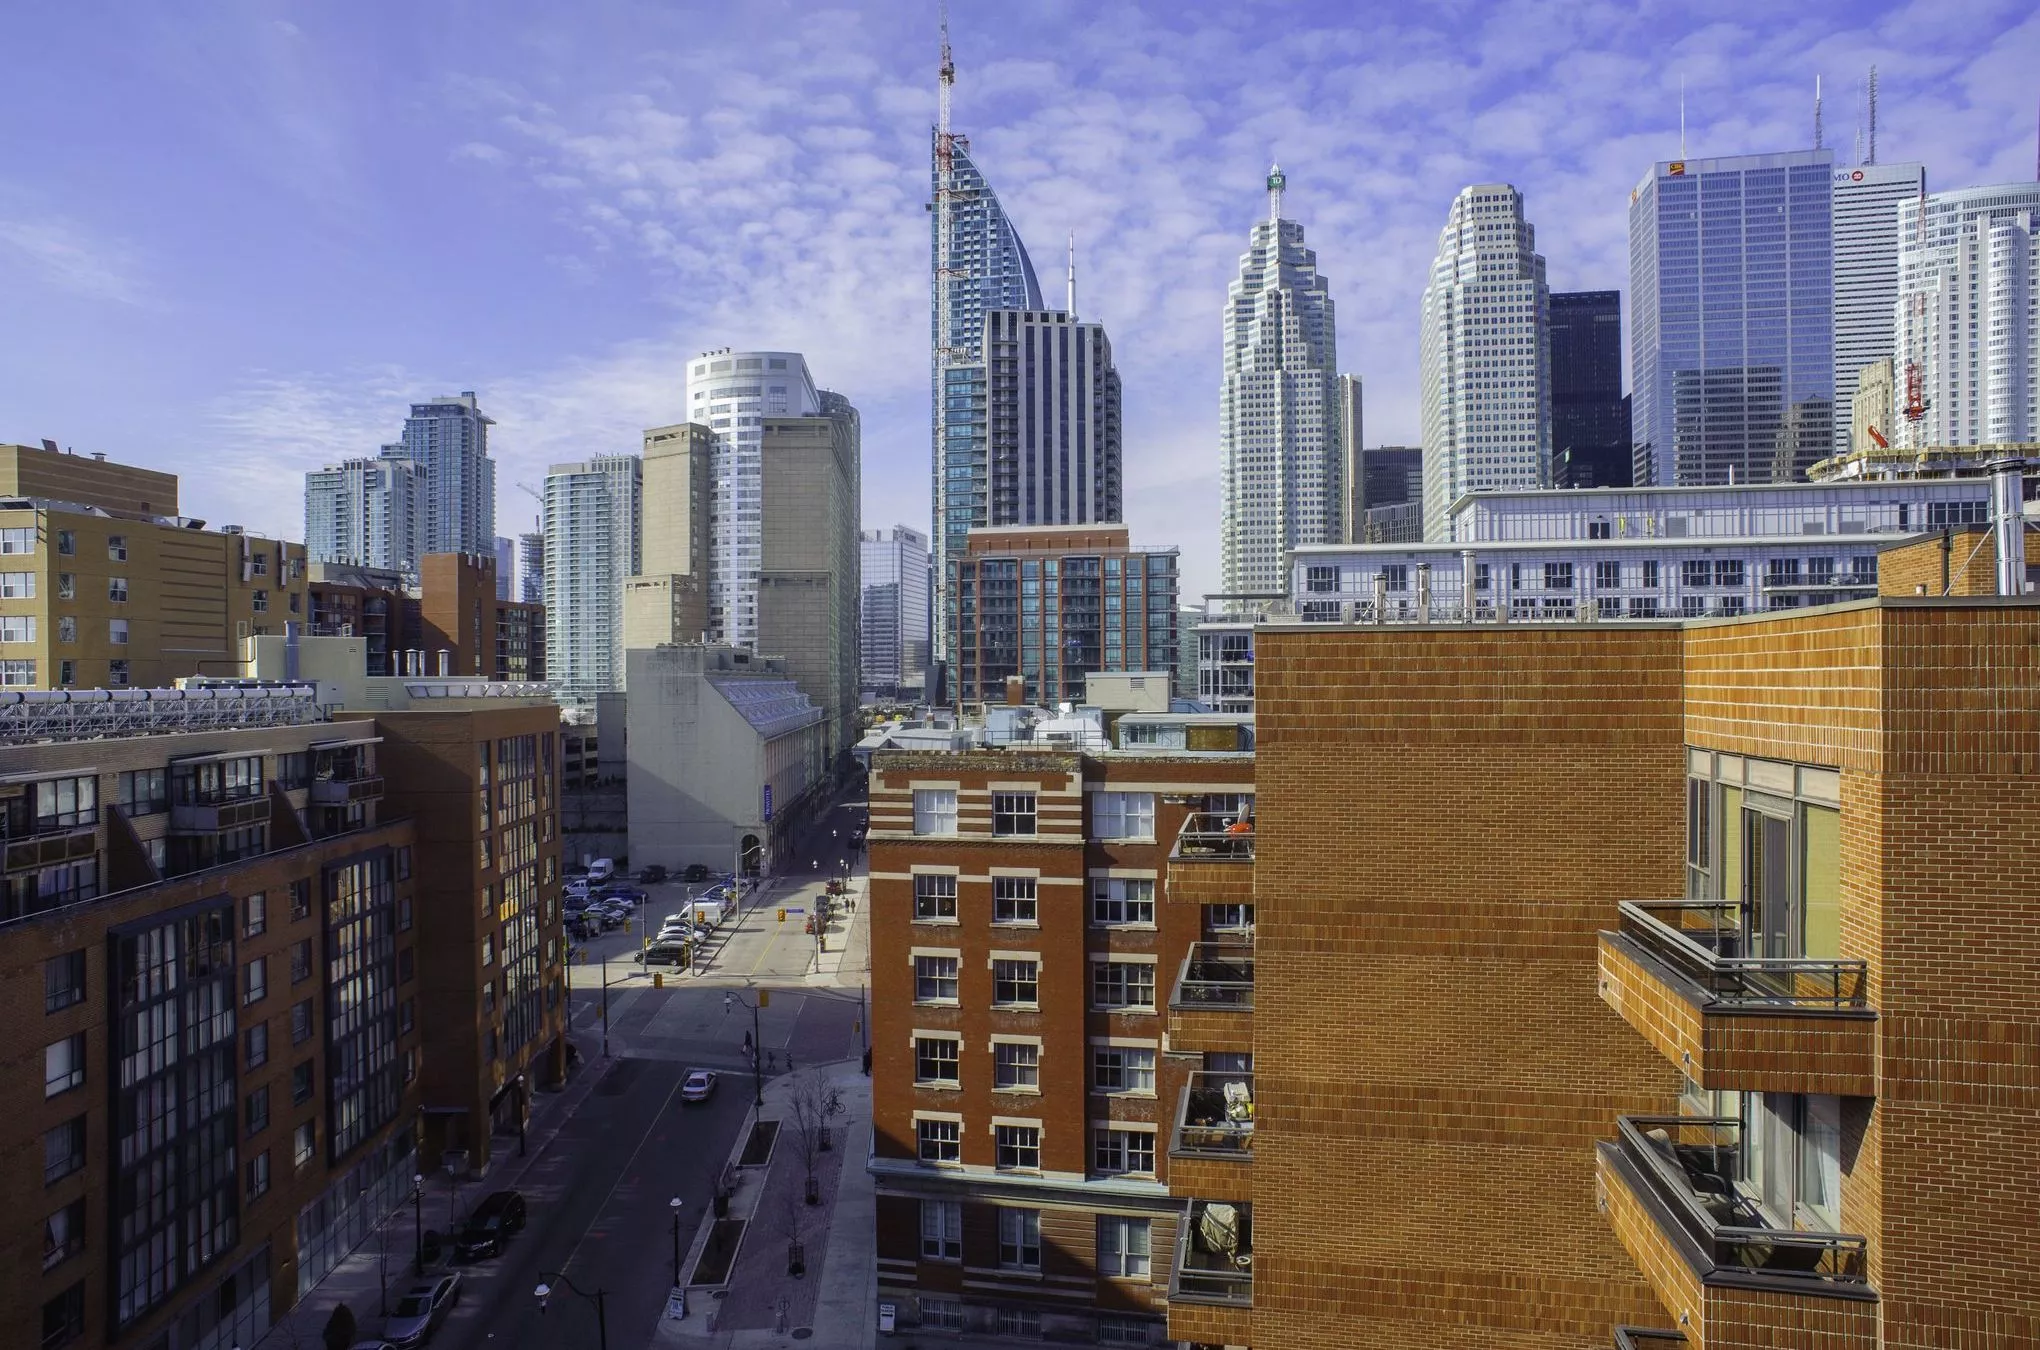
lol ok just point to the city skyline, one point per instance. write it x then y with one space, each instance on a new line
588 291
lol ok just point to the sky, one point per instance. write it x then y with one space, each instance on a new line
237 239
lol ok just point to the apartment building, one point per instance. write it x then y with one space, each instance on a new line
1061 1055
459 610
210 965
365 602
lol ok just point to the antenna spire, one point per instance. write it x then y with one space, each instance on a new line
1682 117
1873 117
948 75
1071 303
1817 138
1276 180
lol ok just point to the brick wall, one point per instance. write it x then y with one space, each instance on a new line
1965 564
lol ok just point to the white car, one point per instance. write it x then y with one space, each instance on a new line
699 1085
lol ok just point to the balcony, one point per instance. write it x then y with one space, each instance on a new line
1209 836
1215 1255
1720 1263
28 842
1215 975
219 814
1680 973
1215 1117
346 791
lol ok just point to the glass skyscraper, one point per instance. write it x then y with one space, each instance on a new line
1732 306
1589 415
450 437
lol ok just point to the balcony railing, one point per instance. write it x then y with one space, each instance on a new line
212 817
1692 1166
346 791
1213 835
1215 975
1215 1116
1704 940
1215 1255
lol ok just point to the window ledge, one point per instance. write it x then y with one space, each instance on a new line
1017 1091
1016 1007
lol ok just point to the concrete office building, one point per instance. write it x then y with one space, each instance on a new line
368 513
726 756
1589 413
1868 200
1352 473
1967 315
594 524
1732 318
1280 473
807 588
668 603
1485 358
1052 445
894 613
450 438
732 393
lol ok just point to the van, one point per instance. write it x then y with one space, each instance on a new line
601 870
709 912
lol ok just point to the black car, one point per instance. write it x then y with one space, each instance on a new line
492 1224
696 872
653 875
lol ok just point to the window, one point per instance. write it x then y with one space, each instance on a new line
1728 572
1650 575
934 896
940 1140
300 899
404 919
257 1039
117 590
1124 1151
255 911
16 674
255 1111
1121 1068
1016 982
63 981
944 1314
301 1022
1395 577
117 632
488 996
941 1230
64 1065
1122 1247
407 1016
63 1234
261 602
116 673
1123 984
67 672
17 628
17 540
406 966
258 1174
1014 900
301 961
935 979
67 585
934 810
1599 529
1321 580
301 1076
1558 576
1122 900
1012 813
259 564
1016 1065
1696 572
935 1061
255 980
63 1317
1020 1239
488 949
143 792
1607 576
303 1142
116 547
63 1150
1019 1146
1123 815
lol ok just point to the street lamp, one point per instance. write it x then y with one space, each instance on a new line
544 1292
521 1113
674 1205
730 1000
418 1215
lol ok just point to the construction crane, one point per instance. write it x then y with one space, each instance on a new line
947 352
1916 403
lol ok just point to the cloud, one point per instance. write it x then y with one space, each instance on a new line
64 255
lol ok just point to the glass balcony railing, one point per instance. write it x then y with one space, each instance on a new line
1704 940
1692 1168
1215 1116
1209 835
1215 975
1215 1254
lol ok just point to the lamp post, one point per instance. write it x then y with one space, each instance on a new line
730 1000
418 1215
521 1113
544 1292
674 1205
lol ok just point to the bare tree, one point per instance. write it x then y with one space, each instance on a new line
811 1105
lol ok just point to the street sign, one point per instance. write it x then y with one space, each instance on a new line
676 1304
888 1313
768 803
795 909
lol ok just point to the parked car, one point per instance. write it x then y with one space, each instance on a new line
695 872
652 876
601 870
421 1311
578 928
699 1086
662 954
494 1222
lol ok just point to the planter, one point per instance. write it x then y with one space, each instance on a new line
796 1259
824 1139
814 1192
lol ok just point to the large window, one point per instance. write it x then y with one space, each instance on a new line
1016 982
1020 1239
936 1061
1013 813
1016 1066
1014 900
1123 815
941 1230
1117 901
934 896
1123 984
63 981
1122 1247
1120 1151
939 1140
1120 1068
935 979
1018 1146
934 810
64 1065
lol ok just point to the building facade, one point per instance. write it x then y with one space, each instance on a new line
1280 481
1732 318
1871 409
368 513
594 527
808 558
1485 358
1868 200
1052 434
450 438
1589 412
977 264
365 602
1967 318
457 615
894 614
531 567
1050 605
1352 403
669 602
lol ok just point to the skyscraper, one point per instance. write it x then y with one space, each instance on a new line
450 437
369 512
506 567
1278 411
894 616
1352 462
593 528
1867 201
1967 318
531 567
731 393
1732 307
668 601
806 589
1589 415
1485 360
1053 444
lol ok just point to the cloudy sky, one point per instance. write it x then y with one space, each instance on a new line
236 238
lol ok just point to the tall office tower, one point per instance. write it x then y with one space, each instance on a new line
1968 326
1589 416
593 528
1732 309
1485 360
1278 409
1867 201
977 264
1392 489
668 602
1052 445
1352 459
369 512
531 567
450 437
506 567
809 490
731 393
893 616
